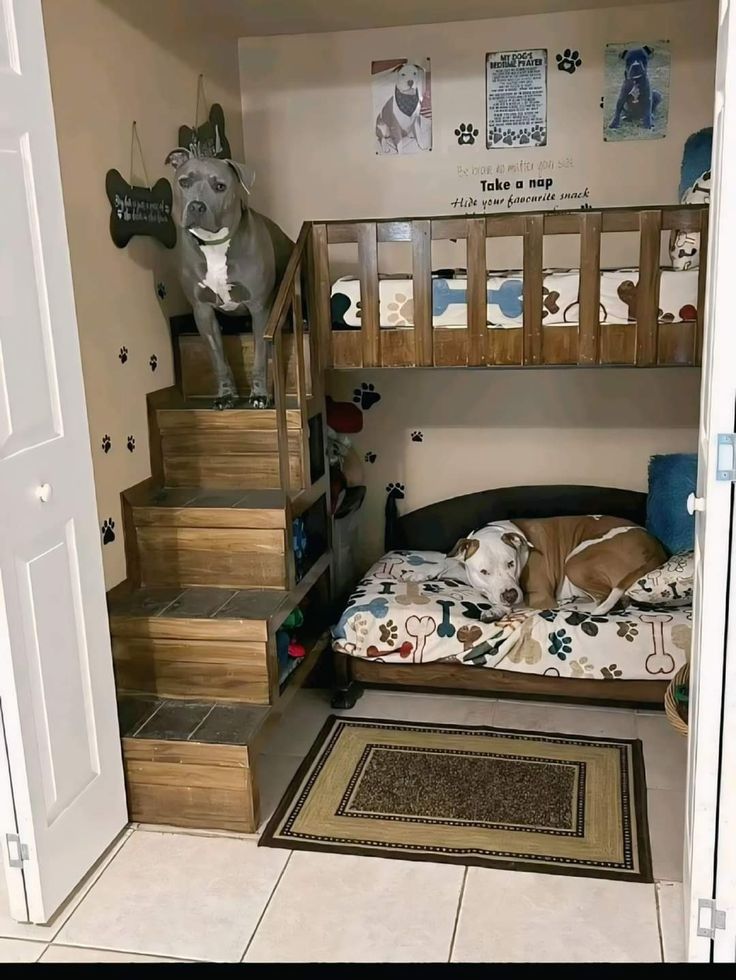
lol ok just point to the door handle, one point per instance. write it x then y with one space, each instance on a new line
695 503
44 493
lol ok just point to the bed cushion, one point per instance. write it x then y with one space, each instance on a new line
415 621
669 585
409 566
672 477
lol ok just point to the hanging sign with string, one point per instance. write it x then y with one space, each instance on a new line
207 139
139 210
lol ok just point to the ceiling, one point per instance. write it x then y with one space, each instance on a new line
254 18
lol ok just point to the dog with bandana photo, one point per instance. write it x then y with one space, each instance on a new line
402 106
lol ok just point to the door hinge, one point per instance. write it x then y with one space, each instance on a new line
17 851
726 457
710 918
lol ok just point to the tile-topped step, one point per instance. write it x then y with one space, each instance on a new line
196 642
191 762
197 378
232 449
231 538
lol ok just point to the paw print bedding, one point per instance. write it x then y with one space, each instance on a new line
402 612
678 294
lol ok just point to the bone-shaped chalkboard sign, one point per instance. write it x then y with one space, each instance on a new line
140 210
207 140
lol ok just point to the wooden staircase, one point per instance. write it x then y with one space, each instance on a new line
212 576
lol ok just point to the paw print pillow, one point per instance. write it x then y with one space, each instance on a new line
409 566
669 585
685 245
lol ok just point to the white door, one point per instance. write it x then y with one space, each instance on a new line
713 528
56 682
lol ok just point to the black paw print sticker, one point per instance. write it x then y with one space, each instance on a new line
108 531
123 355
130 444
396 490
602 102
466 134
370 457
106 444
161 290
366 396
560 644
586 207
569 61
417 436
538 134
153 362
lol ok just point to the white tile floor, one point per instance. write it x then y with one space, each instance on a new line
167 896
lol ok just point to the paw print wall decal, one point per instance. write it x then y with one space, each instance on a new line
106 444
569 61
153 362
370 457
417 436
108 531
366 396
466 134
396 490
161 290
131 444
123 355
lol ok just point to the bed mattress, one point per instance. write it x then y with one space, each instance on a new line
400 614
678 293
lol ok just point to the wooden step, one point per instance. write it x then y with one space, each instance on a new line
198 380
234 449
198 642
211 643
191 763
231 538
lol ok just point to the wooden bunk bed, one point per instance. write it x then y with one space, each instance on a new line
648 339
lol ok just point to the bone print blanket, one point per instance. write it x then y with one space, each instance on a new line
403 612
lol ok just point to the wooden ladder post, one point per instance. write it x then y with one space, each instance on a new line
421 258
647 290
477 291
370 325
589 327
533 276
702 279
320 274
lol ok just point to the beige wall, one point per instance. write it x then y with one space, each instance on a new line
105 73
308 129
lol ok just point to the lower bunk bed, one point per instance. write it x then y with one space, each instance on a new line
406 627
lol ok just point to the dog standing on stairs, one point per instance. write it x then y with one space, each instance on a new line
230 257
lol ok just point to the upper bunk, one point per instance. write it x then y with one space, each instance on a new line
408 312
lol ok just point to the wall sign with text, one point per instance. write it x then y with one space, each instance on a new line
516 99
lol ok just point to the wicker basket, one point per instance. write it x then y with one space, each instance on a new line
676 715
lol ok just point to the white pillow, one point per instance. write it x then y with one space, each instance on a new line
669 585
409 566
685 245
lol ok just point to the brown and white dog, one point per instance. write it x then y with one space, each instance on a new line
400 118
547 560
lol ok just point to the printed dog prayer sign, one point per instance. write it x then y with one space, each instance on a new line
637 96
402 106
516 99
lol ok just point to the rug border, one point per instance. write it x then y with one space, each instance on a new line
638 775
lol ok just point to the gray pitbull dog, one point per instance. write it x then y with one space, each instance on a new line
231 258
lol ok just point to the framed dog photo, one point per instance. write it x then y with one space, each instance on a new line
402 106
636 98
516 99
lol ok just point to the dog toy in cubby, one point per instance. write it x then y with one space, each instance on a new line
297 650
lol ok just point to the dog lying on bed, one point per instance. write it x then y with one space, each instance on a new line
546 560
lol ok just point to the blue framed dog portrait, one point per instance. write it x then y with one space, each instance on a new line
636 100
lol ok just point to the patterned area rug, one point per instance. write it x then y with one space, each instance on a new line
528 801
